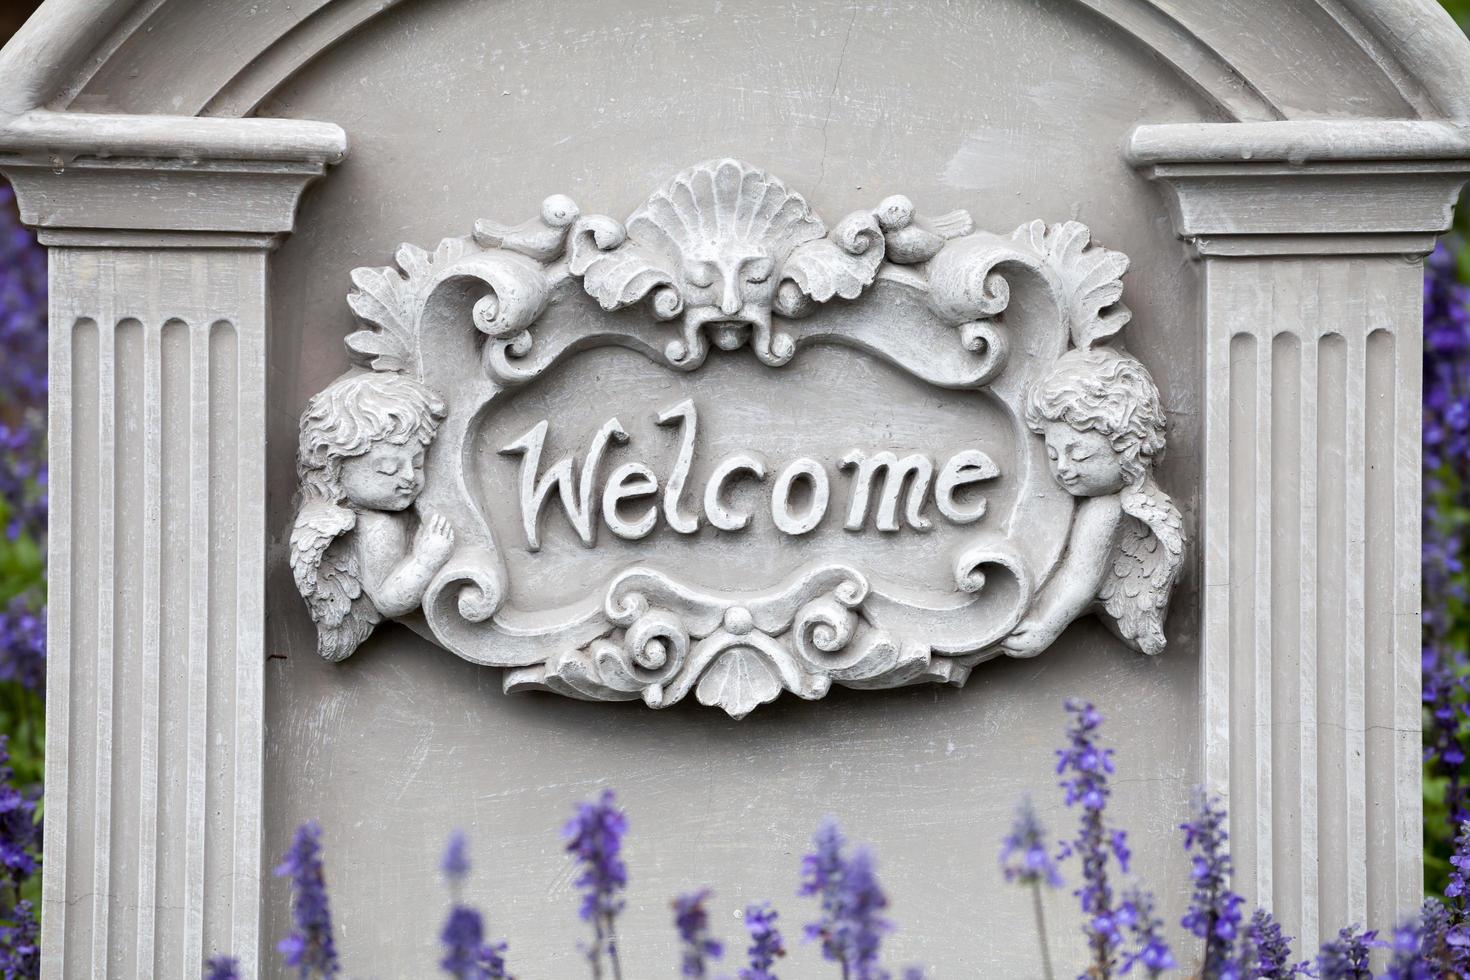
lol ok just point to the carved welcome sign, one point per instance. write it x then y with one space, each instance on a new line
722 448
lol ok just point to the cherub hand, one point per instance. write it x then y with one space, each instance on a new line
1030 637
434 539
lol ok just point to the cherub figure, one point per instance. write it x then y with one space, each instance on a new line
1100 415
355 552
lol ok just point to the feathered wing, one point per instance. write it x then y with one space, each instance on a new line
329 579
1135 594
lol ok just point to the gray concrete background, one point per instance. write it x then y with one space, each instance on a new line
458 109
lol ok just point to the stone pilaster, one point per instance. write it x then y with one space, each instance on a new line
1311 237
158 331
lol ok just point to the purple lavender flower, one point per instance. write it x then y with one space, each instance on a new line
1024 858
1023 854
1151 951
822 873
309 947
1412 957
852 925
594 837
1269 950
1446 445
913 973
455 864
1346 957
467 956
222 968
766 945
23 643
20 944
1085 767
22 379
691 919
20 831
1214 912
1456 932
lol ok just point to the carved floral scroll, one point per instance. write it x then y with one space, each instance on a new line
395 521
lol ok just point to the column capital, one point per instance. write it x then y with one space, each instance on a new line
1311 187
118 181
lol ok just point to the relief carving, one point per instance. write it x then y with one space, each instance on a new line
426 485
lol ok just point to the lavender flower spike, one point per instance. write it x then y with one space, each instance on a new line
1214 913
1085 766
467 956
1346 957
1023 854
1152 952
823 871
309 947
851 927
1024 858
1269 950
222 968
594 838
455 864
765 942
691 919
863 925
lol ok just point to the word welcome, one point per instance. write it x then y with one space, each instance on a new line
799 495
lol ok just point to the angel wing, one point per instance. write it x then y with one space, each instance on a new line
329 579
1135 594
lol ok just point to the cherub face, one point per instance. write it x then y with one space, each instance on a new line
386 477
729 282
1085 464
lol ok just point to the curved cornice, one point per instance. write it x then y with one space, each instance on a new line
1378 58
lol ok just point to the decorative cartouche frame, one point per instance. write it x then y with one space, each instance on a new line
725 255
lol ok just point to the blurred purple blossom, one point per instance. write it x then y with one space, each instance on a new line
691 919
1214 912
23 644
1023 854
852 925
1085 766
309 947
1151 951
766 945
22 376
594 838
1446 601
1269 948
467 956
1346 957
20 944
20 832
222 968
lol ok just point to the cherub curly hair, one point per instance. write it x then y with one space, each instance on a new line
352 414
1105 391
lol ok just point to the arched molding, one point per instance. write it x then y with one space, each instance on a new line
1394 59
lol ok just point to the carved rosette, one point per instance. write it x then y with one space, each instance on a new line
726 256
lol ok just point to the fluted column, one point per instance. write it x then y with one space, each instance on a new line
158 327
1311 237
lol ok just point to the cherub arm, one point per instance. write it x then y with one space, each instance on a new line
1074 585
401 590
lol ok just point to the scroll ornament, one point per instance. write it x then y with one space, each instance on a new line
722 257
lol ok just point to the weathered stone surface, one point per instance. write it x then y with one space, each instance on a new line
1306 152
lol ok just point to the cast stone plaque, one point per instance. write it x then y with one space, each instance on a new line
784 455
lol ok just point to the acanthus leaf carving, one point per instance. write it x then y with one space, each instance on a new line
1090 277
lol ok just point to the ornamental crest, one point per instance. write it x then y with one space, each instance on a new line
726 450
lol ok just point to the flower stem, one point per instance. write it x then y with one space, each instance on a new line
1046 970
612 950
